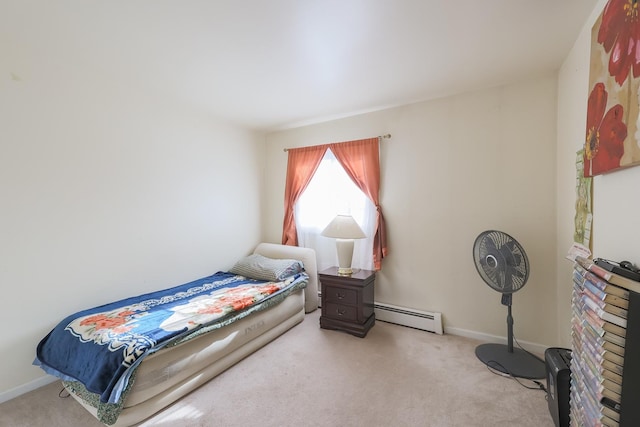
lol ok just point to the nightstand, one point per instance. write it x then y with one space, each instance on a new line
347 301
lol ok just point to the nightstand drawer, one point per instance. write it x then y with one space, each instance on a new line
340 295
341 312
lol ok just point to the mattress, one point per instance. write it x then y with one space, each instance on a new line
169 374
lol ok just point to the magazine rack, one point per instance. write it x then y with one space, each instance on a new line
589 380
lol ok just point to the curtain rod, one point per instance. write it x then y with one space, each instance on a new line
385 136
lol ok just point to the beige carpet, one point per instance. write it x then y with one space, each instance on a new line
396 376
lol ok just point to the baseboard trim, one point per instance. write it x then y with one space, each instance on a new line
26 388
532 347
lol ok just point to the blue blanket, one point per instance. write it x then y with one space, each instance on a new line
101 346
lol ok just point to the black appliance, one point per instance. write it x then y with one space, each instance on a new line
558 367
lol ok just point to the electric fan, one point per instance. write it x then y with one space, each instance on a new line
503 265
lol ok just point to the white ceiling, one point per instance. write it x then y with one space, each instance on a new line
270 64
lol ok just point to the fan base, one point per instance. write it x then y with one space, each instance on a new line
519 364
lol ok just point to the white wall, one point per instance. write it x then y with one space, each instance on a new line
453 168
616 225
107 192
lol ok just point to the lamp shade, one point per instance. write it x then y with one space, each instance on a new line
343 227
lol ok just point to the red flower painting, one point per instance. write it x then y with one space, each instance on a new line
619 34
606 133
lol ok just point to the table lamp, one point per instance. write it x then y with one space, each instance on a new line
344 229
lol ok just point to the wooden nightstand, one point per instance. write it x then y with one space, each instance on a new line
347 301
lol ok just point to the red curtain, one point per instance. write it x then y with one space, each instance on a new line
301 165
360 159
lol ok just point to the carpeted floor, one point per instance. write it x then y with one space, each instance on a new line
396 376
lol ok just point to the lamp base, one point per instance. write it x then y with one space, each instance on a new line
345 254
345 271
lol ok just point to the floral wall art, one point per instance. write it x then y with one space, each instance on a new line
613 130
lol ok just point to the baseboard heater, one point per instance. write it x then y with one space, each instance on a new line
424 320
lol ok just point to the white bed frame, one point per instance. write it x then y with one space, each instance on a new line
169 374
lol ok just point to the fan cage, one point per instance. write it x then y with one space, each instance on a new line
501 261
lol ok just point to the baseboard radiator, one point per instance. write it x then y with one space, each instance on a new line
412 318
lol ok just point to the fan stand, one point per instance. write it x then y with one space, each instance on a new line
506 359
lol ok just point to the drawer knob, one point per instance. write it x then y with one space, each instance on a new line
340 311
339 295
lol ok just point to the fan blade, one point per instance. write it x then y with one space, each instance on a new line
507 284
491 261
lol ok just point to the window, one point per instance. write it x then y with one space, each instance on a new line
329 193
361 160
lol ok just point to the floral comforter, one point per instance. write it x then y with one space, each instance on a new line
100 347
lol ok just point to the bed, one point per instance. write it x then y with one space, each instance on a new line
186 345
